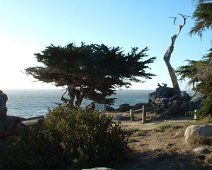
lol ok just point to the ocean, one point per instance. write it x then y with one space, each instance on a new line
32 103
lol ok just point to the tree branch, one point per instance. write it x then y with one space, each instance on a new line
169 51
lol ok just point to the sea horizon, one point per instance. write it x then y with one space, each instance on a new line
60 88
36 102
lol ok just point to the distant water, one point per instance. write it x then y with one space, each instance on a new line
31 103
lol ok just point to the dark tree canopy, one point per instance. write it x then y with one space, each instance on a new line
199 73
202 16
93 69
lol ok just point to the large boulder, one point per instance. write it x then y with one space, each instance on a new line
10 125
162 92
170 101
197 130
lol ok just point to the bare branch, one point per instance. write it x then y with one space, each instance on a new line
184 18
169 51
174 18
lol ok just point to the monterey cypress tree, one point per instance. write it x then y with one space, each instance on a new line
94 70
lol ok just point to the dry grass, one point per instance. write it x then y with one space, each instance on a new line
207 120
163 127
196 141
208 159
163 145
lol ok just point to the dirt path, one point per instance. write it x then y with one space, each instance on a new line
137 124
159 145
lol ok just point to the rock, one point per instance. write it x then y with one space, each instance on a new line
184 106
169 101
199 130
174 108
124 107
201 150
119 117
10 125
162 92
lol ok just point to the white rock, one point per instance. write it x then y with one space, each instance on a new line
199 130
201 150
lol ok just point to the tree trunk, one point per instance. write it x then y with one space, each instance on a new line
80 95
79 100
168 53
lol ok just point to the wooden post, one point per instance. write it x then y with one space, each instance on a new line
131 115
144 114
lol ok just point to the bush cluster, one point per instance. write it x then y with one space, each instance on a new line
68 140
206 109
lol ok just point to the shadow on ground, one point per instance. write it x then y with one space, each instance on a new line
158 160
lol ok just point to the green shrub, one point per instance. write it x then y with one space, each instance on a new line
206 109
74 140
164 126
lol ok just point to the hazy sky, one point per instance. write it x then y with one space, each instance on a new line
28 26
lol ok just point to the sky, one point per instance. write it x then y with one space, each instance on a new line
28 26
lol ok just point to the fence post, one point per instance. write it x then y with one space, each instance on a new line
143 114
131 115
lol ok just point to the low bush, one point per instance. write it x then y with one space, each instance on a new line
68 140
163 127
206 109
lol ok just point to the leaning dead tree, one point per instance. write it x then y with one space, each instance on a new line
169 51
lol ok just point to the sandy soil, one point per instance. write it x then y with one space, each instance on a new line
159 145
